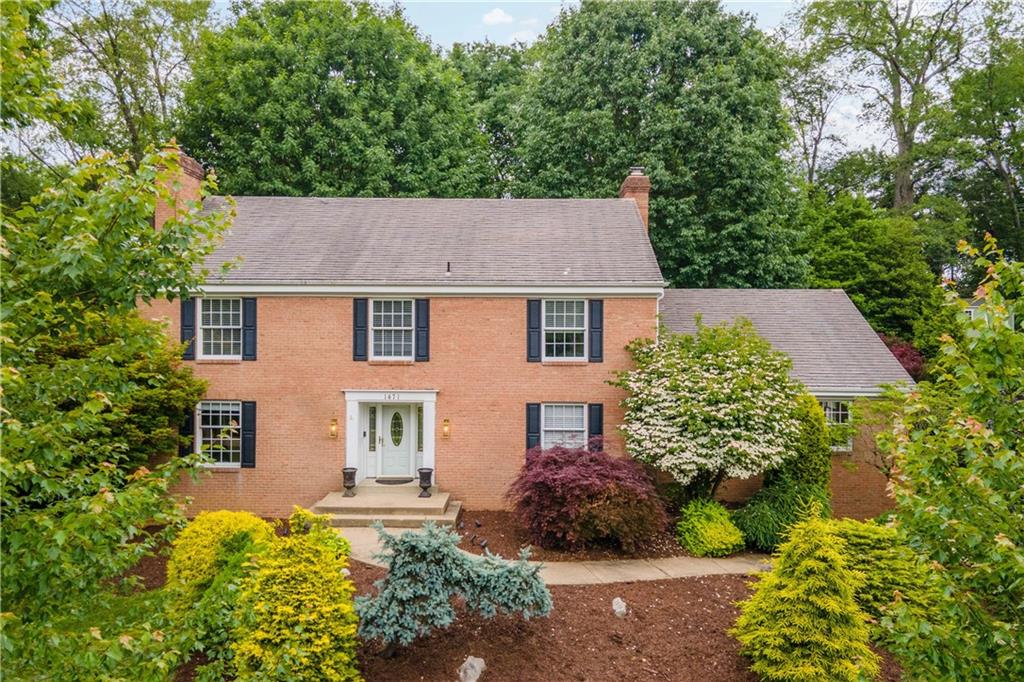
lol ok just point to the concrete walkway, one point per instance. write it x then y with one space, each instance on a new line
364 545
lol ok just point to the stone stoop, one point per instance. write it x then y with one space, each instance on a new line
397 506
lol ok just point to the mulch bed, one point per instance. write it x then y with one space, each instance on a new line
506 537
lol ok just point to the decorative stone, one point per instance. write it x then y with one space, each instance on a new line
471 669
619 607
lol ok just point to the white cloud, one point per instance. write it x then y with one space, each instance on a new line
497 16
524 36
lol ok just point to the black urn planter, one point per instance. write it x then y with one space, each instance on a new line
426 474
349 481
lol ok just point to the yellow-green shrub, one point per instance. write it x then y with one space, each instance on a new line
297 620
802 624
705 529
197 550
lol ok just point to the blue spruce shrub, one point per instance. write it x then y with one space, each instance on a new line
426 569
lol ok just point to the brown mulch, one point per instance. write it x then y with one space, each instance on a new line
506 537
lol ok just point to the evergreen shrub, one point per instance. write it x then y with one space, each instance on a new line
811 459
199 550
426 570
572 497
296 619
705 529
766 517
802 623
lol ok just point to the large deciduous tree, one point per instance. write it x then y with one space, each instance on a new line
330 99
898 51
692 93
874 256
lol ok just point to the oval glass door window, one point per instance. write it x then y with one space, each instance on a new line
397 428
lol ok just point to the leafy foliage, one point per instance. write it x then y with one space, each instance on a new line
570 497
802 622
873 256
704 529
811 459
692 93
908 356
297 620
715 405
426 570
959 488
197 551
300 98
892 574
766 518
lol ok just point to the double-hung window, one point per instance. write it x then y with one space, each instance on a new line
220 328
563 424
837 414
220 431
392 329
565 330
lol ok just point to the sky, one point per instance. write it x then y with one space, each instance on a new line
450 22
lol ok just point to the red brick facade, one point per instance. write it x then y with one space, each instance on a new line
477 364
859 488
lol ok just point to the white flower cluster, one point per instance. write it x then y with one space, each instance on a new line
699 407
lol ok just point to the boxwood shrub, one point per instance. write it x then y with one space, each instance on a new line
571 497
705 529
766 517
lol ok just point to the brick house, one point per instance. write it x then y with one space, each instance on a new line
387 335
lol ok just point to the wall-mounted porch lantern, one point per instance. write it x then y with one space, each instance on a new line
446 429
333 432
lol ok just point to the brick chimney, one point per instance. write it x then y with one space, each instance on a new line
637 186
184 186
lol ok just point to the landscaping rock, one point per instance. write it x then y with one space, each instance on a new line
471 669
619 607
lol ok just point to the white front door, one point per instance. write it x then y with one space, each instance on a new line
396 437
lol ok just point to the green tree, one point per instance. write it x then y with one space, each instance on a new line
959 488
875 257
900 52
692 93
126 62
330 99
492 74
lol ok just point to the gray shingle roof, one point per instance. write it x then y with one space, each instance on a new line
291 241
832 347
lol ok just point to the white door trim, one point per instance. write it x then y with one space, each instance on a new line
353 399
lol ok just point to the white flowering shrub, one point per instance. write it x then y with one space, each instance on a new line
715 405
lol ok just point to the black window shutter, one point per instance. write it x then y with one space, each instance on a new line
248 434
188 327
188 430
360 321
595 420
533 330
422 329
248 328
596 330
532 425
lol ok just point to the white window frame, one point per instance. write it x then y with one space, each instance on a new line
199 328
848 445
197 436
411 329
544 330
543 424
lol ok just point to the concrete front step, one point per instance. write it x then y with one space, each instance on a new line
393 519
379 504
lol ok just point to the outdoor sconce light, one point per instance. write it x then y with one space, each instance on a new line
333 433
446 428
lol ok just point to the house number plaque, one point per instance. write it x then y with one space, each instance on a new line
392 396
